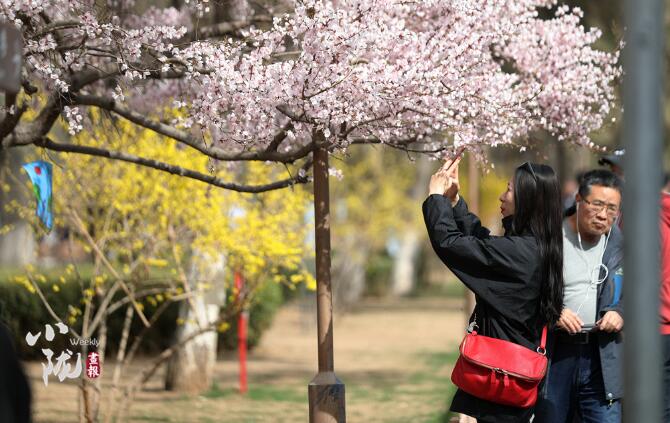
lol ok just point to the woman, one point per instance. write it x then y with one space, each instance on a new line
517 278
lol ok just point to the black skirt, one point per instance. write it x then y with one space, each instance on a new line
486 411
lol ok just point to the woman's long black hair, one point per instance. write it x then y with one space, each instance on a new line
538 209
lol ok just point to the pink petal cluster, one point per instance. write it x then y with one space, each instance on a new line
447 73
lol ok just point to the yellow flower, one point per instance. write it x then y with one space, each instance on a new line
310 283
154 222
156 262
297 278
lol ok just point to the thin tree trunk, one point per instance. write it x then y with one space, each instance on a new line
120 355
190 368
473 205
405 264
102 345
348 272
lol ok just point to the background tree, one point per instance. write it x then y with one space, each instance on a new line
159 238
358 72
368 210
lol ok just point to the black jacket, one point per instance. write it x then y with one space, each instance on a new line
610 297
504 274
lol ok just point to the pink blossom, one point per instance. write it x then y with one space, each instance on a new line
445 73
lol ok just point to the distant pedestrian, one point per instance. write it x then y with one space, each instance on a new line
665 291
615 162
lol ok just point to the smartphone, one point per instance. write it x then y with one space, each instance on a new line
591 327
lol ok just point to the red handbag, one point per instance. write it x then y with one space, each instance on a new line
500 371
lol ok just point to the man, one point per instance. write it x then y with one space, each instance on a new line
584 377
665 291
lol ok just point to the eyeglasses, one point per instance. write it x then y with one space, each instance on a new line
596 207
529 168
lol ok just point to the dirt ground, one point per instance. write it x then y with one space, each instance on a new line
393 356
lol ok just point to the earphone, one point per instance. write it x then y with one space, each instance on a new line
593 282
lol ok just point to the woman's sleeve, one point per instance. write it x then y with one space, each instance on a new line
468 223
488 266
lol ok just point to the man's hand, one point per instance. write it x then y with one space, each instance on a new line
569 321
611 322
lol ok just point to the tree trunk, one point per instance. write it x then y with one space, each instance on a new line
348 272
190 368
403 278
405 264
473 197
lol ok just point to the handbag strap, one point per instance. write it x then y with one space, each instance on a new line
543 342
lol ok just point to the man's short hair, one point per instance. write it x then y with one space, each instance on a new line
599 177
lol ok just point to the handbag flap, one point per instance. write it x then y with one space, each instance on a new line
504 356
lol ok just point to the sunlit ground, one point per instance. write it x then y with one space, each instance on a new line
395 358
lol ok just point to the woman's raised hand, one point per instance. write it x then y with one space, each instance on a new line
445 180
453 184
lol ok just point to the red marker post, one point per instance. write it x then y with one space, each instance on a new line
242 335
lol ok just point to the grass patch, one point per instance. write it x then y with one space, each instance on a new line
437 360
270 393
444 388
216 392
257 393
152 419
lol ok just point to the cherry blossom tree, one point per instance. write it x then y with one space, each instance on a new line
422 76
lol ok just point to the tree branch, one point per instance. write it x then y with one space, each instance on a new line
84 232
224 28
280 137
48 306
27 132
172 169
55 26
186 138
10 121
89 76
